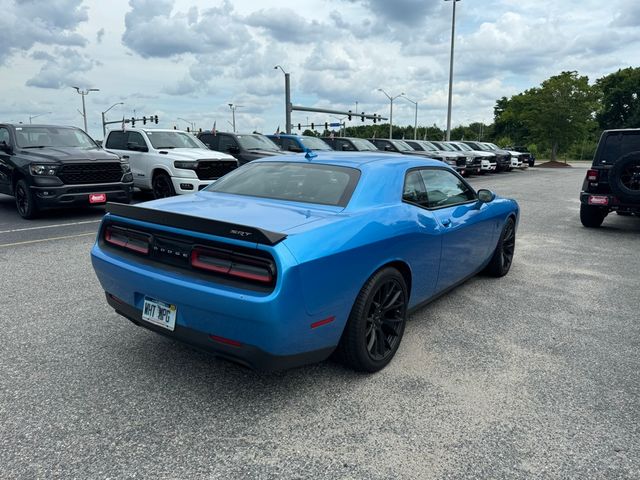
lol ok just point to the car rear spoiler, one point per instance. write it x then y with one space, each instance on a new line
196 224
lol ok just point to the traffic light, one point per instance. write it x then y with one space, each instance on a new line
133 121
175 128
188 130
362 117
144 120
349 116
299 127
375 119
312 126
156 119
326 125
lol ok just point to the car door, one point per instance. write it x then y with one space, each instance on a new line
229 145
468 228
139 158
6 168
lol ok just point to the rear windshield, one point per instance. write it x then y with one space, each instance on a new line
616 145
296 182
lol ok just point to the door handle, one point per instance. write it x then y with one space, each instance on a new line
446 222
125 157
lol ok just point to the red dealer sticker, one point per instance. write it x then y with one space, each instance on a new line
97 197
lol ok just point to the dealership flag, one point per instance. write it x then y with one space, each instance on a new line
278 131
213 130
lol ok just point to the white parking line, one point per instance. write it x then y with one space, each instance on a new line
50 226
45 240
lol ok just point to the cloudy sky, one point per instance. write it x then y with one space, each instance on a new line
190 58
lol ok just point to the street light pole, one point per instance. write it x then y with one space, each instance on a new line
104 125
31 117
233 114
287 99
415 125
191 124
453 34
84 93
391 99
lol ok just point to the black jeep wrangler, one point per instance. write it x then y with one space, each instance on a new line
47 166
613 181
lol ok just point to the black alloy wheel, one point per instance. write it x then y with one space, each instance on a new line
376 324
502 258
25 203
162 186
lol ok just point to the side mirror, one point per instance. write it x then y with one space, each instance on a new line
387 148
346 148
233 150
486 196
5 147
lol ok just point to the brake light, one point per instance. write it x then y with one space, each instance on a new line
592 175
127 239
232 264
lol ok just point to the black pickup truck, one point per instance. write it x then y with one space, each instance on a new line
48 166
613 181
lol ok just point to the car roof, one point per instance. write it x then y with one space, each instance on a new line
360 160
28 125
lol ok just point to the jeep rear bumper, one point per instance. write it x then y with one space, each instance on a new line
610 202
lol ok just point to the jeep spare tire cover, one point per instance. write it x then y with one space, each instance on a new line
624 177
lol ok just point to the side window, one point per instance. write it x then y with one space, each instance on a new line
414 190
444 188
115 140
135 138
4 136
226 142
278 140
344 145
291 145
210 140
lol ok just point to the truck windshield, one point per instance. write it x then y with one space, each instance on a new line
363 145
402 146
257 142
41 137
296 182
314 143
160 140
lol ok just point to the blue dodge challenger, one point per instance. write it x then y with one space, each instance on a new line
287 260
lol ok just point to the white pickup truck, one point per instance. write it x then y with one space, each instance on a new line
168 162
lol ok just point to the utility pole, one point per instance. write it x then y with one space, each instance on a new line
84 93
391 99
287 99
104 125
31 117
233 108
453 34
415 125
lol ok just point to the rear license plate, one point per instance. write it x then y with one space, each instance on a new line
97 197
159 313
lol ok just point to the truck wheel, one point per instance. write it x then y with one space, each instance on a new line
376 324
162 186
25 201
592 217
624 177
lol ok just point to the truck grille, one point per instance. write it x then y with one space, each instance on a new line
461 161
90 173
212 170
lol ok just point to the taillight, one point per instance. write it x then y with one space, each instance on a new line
592 175
233 264
127 239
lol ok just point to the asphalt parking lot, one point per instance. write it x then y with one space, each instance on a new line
534 375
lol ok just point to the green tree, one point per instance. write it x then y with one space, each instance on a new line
557 114
620 99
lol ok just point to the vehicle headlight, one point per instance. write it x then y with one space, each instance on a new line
49 170
186 165
126 168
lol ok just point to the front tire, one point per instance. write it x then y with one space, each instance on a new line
376 324
25 200
162 186
502 258
592 217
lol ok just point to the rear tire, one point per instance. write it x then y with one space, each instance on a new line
592 217
502 258
25 200
376 324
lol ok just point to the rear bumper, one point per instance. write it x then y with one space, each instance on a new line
606 201
78 195
247 355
